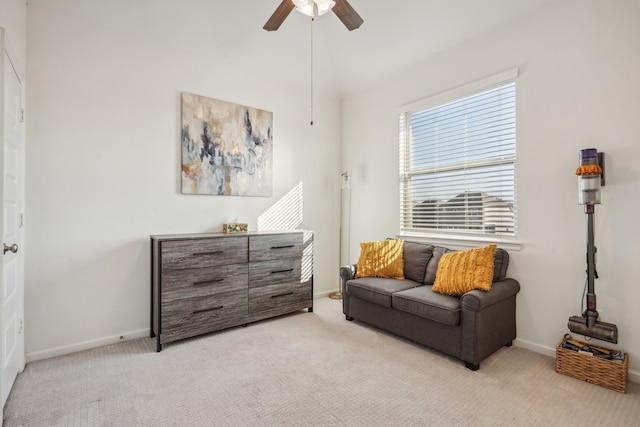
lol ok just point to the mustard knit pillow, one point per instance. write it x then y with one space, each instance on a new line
462 271
381 258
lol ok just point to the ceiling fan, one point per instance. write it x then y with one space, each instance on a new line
341 8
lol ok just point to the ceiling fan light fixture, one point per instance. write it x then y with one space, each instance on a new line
343 10
304 6
324 6
308 7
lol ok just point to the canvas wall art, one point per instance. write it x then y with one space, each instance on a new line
227 149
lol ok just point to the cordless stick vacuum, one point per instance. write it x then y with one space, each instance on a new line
589 180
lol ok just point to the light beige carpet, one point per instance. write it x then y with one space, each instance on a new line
306 369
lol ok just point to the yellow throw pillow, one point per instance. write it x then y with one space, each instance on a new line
381 258
462 271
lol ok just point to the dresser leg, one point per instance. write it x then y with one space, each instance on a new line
158 345
310 309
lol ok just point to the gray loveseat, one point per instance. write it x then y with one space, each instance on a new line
469 328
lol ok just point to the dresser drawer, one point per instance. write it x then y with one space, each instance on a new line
276 246
179 284
189 312
273 296
196 325
276 271
201 253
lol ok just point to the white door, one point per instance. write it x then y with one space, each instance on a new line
11 221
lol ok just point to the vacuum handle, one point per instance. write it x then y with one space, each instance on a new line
591 258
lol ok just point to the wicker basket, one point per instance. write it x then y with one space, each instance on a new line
610 374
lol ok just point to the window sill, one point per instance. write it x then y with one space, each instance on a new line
460 241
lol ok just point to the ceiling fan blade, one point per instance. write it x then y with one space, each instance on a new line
347 14
279 15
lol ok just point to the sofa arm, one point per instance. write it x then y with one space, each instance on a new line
347 272
477 300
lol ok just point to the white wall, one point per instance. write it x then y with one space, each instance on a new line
579 65
103 127
13 18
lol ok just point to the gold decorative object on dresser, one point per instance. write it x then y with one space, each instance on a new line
202 283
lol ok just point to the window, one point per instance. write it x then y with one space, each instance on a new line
457 165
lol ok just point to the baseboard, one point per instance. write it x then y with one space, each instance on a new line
87 345
324 294
536 348
633 376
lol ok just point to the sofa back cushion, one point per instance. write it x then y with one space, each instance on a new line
432 266
501 262
416 257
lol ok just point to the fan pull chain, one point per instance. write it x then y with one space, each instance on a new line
311 108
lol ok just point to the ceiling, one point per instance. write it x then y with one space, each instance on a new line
395 35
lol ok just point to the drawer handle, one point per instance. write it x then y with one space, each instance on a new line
282 271
283 247
207 309
208 253
282 295
207 282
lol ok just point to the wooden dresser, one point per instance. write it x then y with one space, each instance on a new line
202 283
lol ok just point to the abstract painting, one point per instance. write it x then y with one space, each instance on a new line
227 149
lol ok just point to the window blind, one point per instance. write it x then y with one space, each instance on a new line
457 165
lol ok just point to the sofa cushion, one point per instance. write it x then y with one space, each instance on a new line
432 266
416 257
381 258
501 262
423 302
462 271
377 290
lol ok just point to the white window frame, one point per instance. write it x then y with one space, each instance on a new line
456 239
